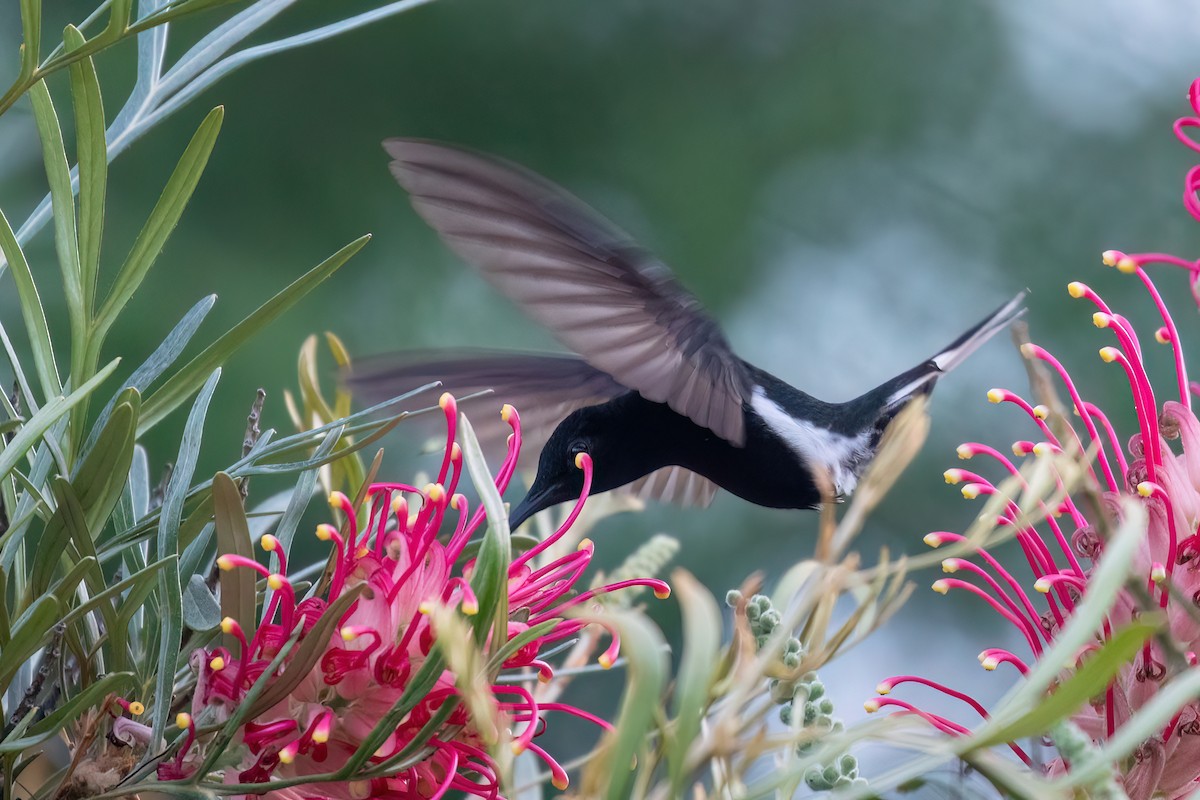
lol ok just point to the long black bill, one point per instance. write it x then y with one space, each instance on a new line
530 505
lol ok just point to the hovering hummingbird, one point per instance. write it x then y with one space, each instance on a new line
656 395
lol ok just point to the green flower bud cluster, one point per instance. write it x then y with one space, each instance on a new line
805 696
1076 746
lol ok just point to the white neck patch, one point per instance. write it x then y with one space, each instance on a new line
816 446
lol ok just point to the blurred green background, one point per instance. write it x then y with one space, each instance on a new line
846 185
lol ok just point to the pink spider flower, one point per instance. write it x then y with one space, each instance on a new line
1060 553
408 563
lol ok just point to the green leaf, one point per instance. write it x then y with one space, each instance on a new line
697 667
201 611
489 580
29 631
238 597
72 711
1088 681
62 201
177 389
32 310
610 773
100 478
47 415
309 651
91 151
170 605
31 47
162 221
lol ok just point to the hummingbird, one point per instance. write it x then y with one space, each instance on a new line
655 393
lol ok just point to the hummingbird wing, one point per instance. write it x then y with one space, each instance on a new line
597 291
544 388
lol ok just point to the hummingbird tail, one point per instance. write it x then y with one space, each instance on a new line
969 342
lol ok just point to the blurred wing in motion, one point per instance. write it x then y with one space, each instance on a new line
568 268
544 388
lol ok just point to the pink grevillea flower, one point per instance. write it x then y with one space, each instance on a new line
1159 466
404 559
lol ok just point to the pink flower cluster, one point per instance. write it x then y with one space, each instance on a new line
382 640
1061 552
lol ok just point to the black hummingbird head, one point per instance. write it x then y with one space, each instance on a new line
559 472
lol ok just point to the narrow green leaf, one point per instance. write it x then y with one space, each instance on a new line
47 415
71 516
610 773
489 580
181 385
32 310
170 599
91 152
697 667
120 12
100 478
1088 681
162 221
62 201
31 47
143 577
29 631
309 651
238 597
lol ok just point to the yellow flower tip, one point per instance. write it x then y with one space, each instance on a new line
1076 289
941 587
871 706
995 395
445 400
1018 449
506 412
455 452
325 531
436 492
347 635
579 459
970 491
981 656
1101 320
224 563
216 663
1127 265
663 593
268 543
425 608
320 736
884 687
275 581
1029 350
605 661
586 544
544 678
288 754
1158 574
1109 257
339 501
965 453
1145 488
518 747
1042 585
989 663
1041 411
933 540
136 708
399 504
1161 336
953 476
951 565
183 720
1108 354
470 607
560 782
1042 449
227 625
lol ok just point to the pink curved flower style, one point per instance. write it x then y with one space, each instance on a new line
403 564
1061 552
